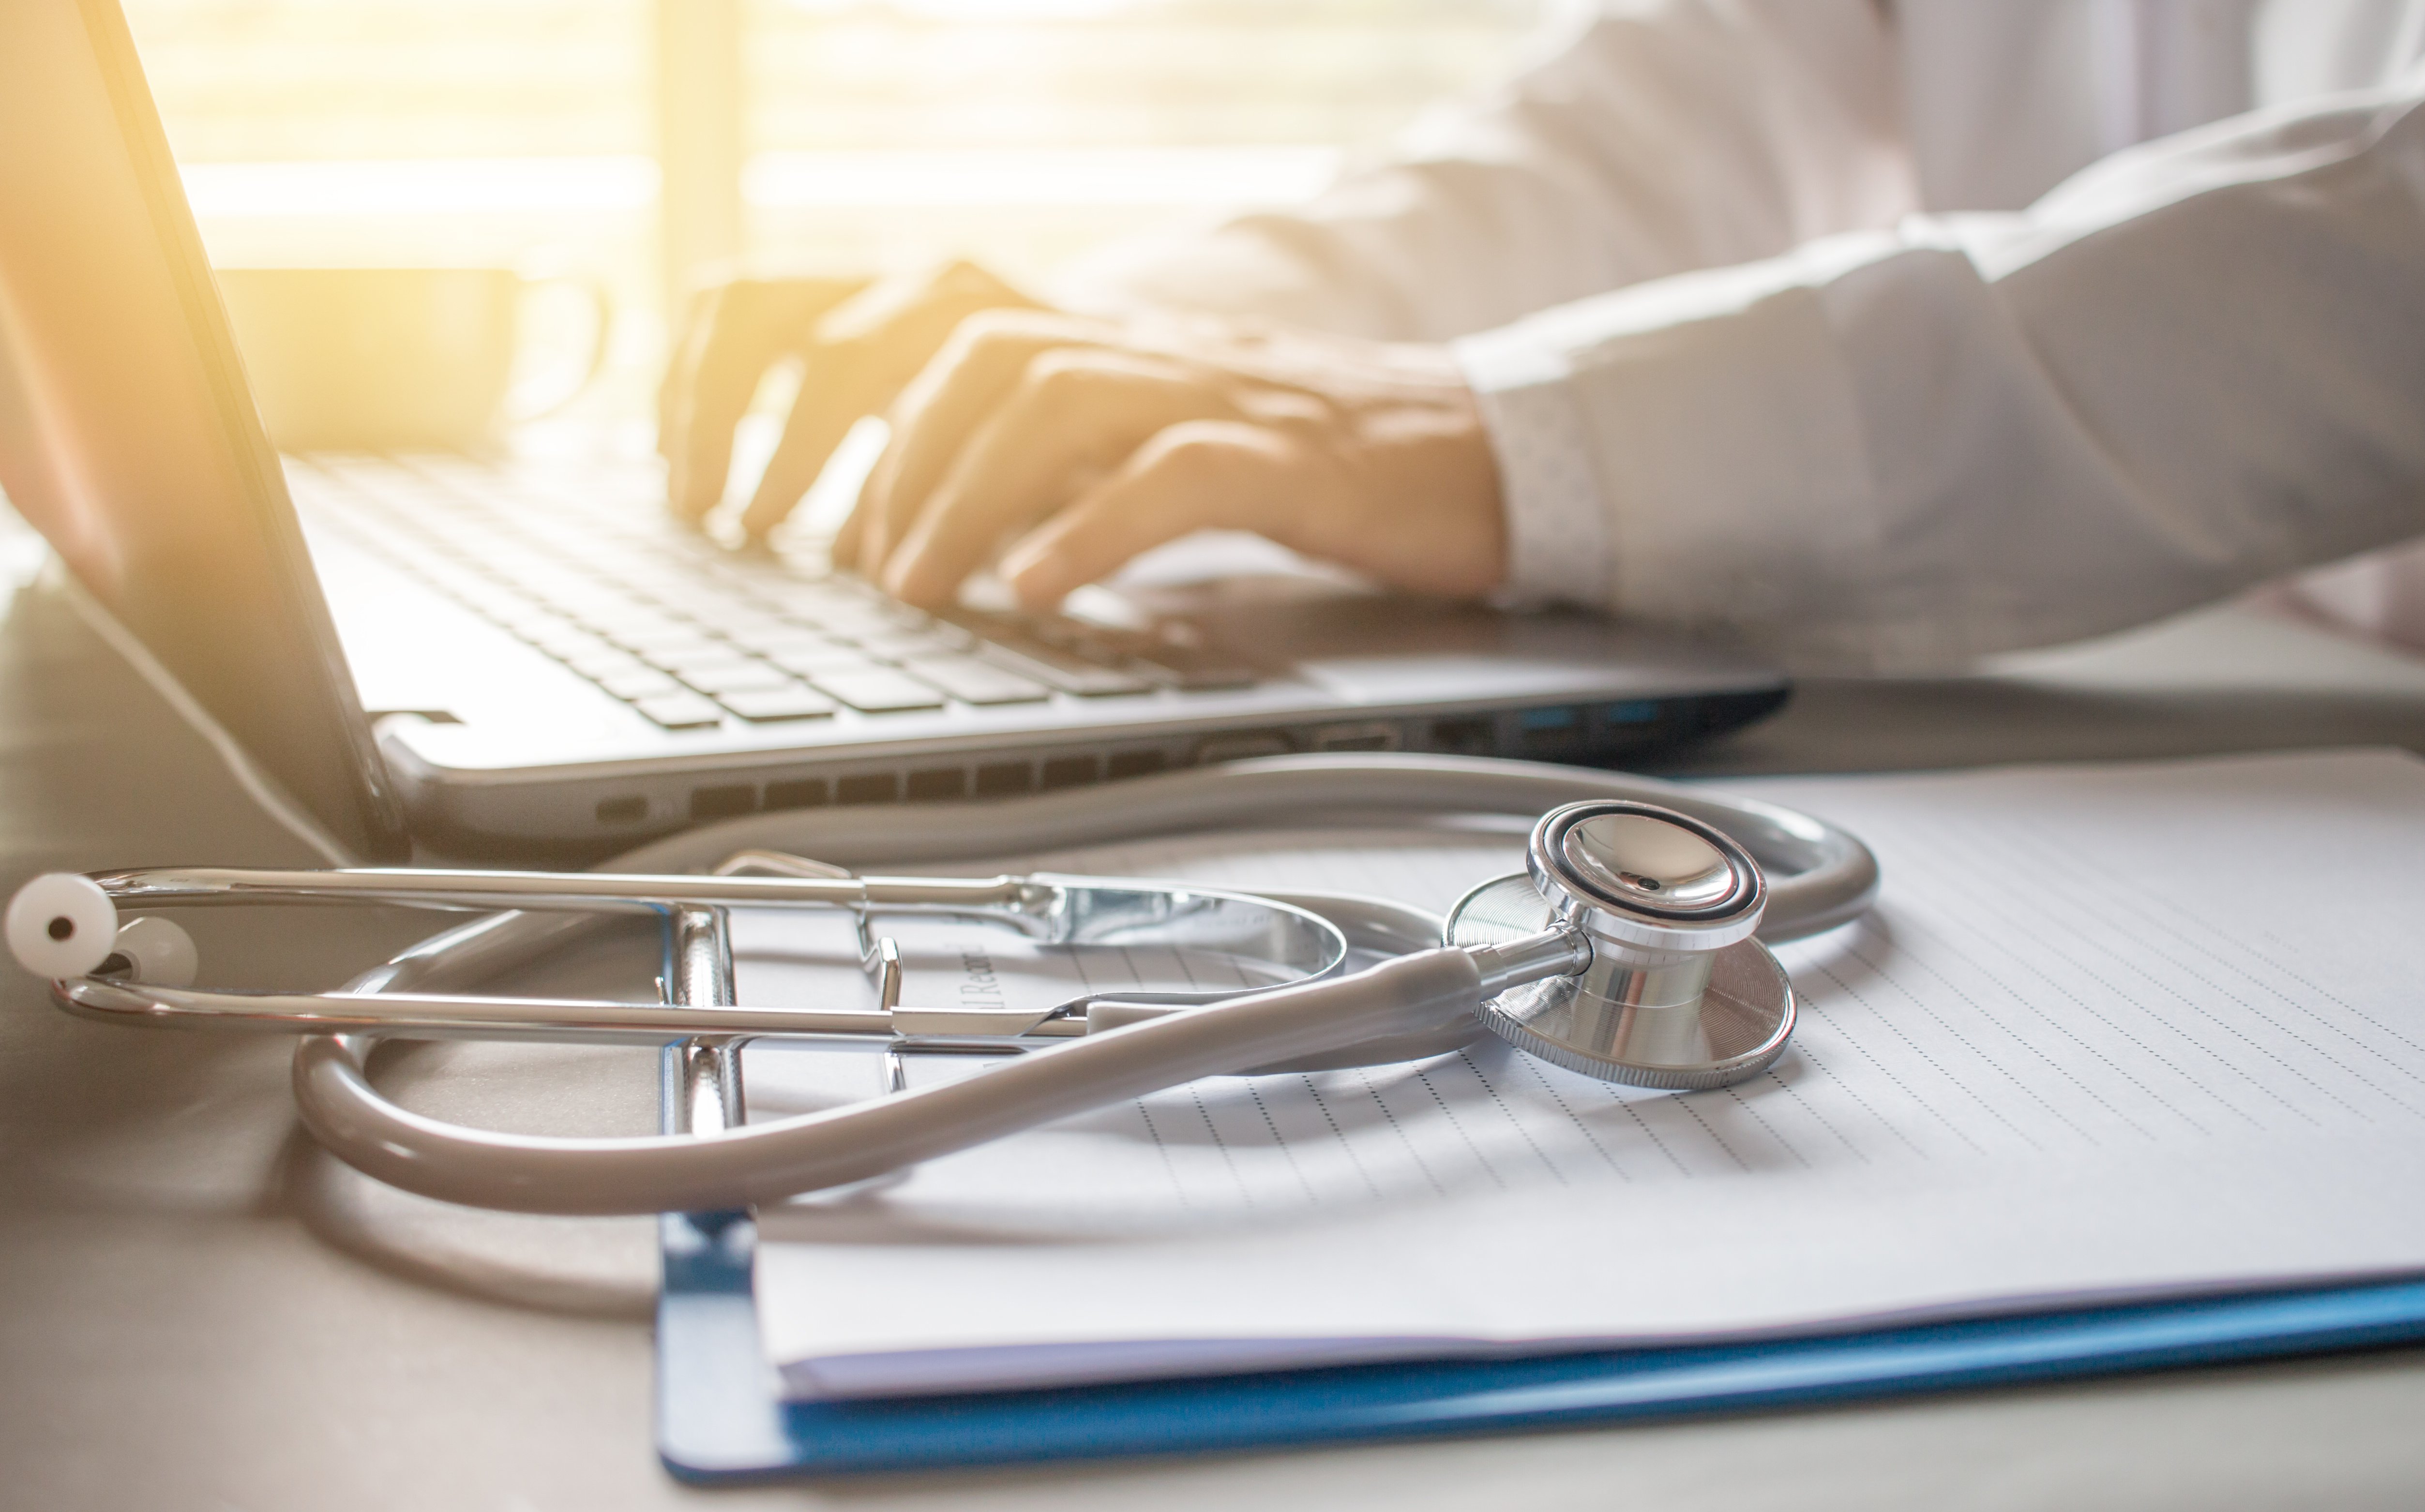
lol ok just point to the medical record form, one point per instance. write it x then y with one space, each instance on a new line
2111 1032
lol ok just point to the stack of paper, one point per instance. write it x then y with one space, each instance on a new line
2111 1032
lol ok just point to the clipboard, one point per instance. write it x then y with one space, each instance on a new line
721 1417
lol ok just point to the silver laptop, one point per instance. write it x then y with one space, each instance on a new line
503 659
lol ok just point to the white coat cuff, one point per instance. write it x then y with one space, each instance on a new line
1725 479
1557 521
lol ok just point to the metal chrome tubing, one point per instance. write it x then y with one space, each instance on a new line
430 1016
1818 876
1560 952
702 979
431 887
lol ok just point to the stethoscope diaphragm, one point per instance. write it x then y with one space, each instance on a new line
1678 994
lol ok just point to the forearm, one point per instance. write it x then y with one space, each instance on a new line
2192 368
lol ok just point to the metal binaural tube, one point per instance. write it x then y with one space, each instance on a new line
435 1016
416 887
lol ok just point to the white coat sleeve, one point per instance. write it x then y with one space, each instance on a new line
1660 136
2194 365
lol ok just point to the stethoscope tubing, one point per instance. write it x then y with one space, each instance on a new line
1820 876
761 1162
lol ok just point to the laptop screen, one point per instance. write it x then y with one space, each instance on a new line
127 436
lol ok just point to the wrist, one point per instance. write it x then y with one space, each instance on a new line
1555 515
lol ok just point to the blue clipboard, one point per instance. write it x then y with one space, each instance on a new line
720 1416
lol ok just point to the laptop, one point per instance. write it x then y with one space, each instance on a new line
499 659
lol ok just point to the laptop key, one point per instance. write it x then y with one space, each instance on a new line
617 610
1161 658
649 637
564 642
1194 669
636 630
682 710
735 677
1059 669
937 639
864 619
814 661
751 632
777 638
676 656
524 621
727 614
644 683
600 666
973 681
878 690
793 703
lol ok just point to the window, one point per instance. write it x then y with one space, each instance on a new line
1025 133
838 133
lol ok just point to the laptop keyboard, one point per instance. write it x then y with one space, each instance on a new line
692 636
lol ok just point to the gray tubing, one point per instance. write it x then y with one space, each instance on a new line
1819 876
761 1162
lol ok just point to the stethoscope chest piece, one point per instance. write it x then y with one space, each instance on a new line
1678 994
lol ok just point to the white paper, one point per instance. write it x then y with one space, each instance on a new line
2112 1032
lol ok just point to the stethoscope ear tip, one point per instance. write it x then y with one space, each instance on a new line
61 925
156 952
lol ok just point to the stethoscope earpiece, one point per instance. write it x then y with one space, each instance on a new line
153 952
62 924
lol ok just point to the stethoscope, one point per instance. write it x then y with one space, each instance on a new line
1630 949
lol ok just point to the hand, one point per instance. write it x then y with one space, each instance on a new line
861 341
1089 442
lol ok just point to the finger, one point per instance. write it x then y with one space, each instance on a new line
1197 475
816 425
1074 414
859 375
677 394
739 330
932 419
890 304
880 339
844 551
680 360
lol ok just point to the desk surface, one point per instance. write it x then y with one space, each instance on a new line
199 1310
